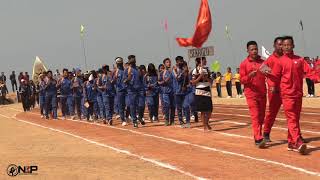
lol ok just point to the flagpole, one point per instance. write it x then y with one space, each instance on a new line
169 49
84 52
230 43
303 39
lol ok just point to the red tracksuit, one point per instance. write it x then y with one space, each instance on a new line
274 97
290 71
255 91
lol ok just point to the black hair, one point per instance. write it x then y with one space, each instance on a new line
65 69
277 38
288 38
179 58
251 43
131 56
49 71
198 61
165 60
152 70
142 67
160 65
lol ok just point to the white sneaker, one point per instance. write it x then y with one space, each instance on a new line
308 96
228 97
124 124
63 118
311 95
192 118
42 116
153 118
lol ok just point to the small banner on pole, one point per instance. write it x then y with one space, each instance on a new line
201 52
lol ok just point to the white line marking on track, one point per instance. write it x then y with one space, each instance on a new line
153 161
199 146
245 109
275 127
202 147
217 132
279 119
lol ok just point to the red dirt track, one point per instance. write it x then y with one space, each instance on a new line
227 152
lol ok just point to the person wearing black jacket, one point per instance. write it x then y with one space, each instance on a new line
3 92
25 93
13 81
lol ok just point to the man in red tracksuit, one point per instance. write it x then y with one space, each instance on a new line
255 90
289 72
273 91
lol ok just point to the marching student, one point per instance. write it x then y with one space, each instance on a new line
236 78
255 90
90 97
166 84
118 79
51 96
66 97
218 84
100 90
134 86
77 86
25 93
180 83
310 83
152 96
33 90
289 72
161 69
108 94
228 79
203 102
191 96
188 103
42 94
141 94
274 97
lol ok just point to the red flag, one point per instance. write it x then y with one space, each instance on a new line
203 28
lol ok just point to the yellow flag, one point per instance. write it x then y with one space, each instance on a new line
81 30
228 32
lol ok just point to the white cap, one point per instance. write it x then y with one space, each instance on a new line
119 60
91 77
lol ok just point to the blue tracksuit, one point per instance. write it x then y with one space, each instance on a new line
152 95
120 93
166 79
90 96
42 96
191 98
134 89
51 98
100 90
66 98
78 95
180 87
108 96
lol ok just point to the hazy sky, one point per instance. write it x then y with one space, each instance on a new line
50 29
